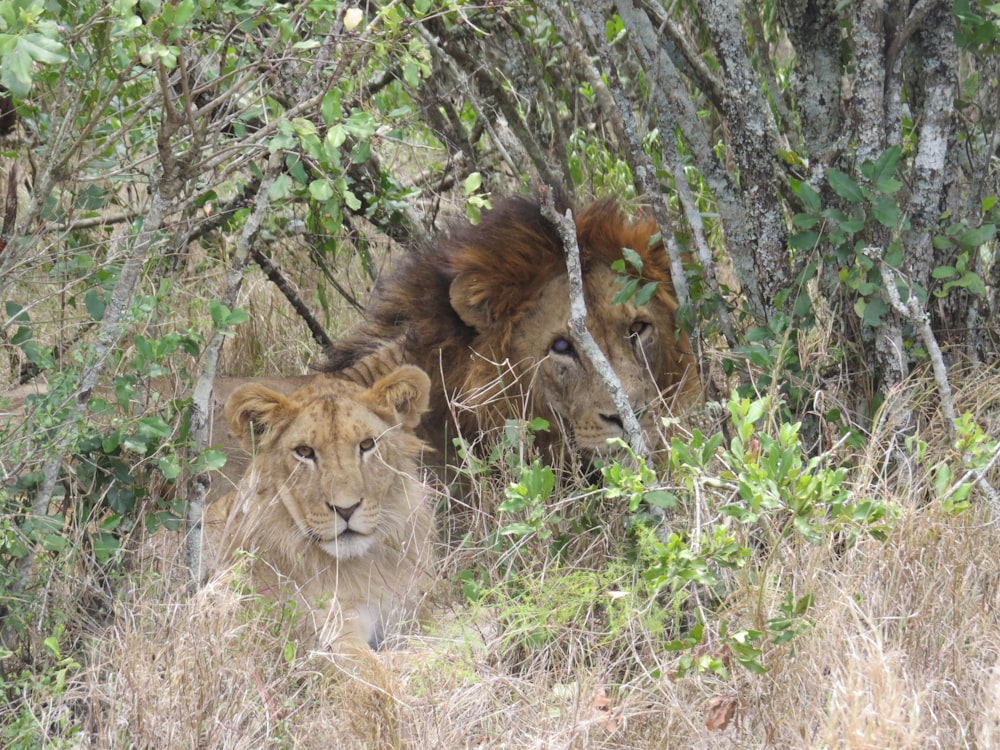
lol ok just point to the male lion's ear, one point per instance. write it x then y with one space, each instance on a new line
405 392
470 295
254 410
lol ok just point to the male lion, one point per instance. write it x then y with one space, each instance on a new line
486 312
331 509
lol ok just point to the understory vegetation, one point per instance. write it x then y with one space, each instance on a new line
198 189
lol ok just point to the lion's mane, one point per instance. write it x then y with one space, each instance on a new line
461 300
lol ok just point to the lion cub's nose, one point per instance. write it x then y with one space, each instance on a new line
346 513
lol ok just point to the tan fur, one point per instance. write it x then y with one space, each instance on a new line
486 312
331 508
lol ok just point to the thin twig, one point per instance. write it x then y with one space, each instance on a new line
278 279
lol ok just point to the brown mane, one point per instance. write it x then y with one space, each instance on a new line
501 266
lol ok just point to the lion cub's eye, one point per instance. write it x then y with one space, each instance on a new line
563 346
304 451
366 445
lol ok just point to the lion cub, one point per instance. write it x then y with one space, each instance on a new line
331 509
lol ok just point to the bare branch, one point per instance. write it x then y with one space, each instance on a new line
693 216
578 325
200 483
683 55
913 312
278 279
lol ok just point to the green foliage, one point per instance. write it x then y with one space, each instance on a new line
954 479
119 459
27 689
594 169
30 45
763 491
843 236
775 482
632 286
978 26
475 200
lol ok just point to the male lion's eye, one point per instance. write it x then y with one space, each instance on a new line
367 444
562 346
304 451
638 328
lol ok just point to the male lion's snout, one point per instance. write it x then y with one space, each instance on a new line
613 420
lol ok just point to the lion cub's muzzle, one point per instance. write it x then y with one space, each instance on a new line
343 512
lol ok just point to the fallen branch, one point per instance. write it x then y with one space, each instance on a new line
582 338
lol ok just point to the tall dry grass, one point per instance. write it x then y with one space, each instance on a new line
903 651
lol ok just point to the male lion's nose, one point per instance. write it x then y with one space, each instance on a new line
346 513
613 419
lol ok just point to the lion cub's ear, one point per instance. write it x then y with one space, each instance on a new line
254 410
405 392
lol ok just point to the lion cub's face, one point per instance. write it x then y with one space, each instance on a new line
332 453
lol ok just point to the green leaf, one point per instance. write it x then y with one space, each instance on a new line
646 293
894 254
810 198
105 546
970 282
210 460
661 499
279 188
472 183
16 71
632 258
302 126
886 212
95 304
874 311
361 152
411 74
844 186
154 427
360 125
44 50
885 166
889 186
320 190
626 293
331 109
169 467
973 238
804 240
351 200
17 313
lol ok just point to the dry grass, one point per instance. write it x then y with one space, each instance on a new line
903 652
